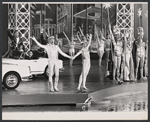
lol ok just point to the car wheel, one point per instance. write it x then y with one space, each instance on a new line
46 73
11 80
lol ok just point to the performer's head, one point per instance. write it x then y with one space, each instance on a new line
16 33
116 30
140 32
51 40
84 41
30 53
21 47
128 32
109 36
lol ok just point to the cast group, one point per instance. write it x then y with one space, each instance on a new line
125 51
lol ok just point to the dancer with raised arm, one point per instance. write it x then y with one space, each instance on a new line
118 52
100 49
107 49
52 51
129 65
71 48
86 64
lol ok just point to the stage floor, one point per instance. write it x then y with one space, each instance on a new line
68 81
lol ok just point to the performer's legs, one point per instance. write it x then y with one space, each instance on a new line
137 66
100 54
114 67
146 68
141 66
118 66
56 70
51 72
127 69
80 82
71 54
107 60
86 71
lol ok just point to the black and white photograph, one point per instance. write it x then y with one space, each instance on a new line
74 60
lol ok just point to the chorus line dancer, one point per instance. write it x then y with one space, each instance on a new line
118 52
71 48
107 49
129 66
53 62
101 44
86 64
140 52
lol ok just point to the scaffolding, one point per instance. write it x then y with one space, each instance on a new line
19 17
125 17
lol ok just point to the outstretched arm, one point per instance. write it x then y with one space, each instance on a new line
90 40
112 37
78 37
77 54
62 53
40 45
66 37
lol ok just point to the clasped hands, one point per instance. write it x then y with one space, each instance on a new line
72 57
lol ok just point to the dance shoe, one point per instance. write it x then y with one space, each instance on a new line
51 90
56 89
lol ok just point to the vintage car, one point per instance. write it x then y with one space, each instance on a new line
13 74
38 66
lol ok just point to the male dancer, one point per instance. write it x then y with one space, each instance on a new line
53 64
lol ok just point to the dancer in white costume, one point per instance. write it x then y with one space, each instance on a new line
118 51
86 64
129 39
71 48
140 52
100 49
72 51
52 51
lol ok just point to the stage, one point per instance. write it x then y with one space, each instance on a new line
36 92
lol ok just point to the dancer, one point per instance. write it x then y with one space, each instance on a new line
140 52
146 62
85 62
52 51
107 52
118 52
71 48
100 49
129 66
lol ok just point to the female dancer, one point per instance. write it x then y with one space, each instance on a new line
85 62
129 66
140 52
118 52
71 48
72 51
100 49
